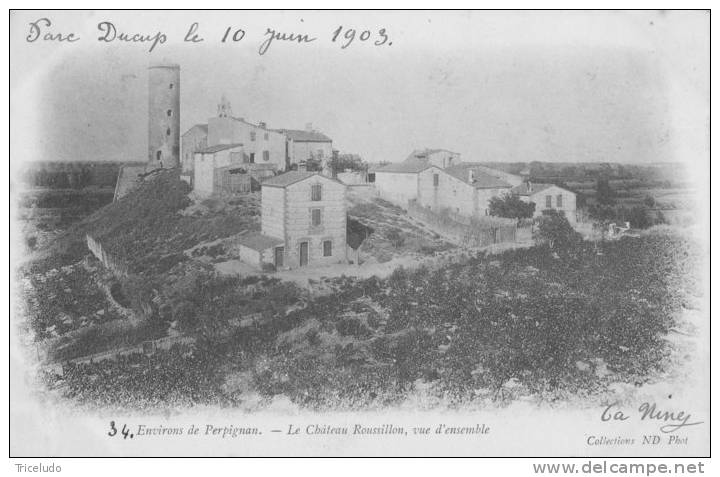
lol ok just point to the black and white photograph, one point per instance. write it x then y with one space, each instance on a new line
361 233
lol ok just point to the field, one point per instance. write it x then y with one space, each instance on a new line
531 324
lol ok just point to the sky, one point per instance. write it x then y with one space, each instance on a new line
628 87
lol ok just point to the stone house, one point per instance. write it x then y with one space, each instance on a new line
304 223
463 189
548 196
279 148
398 182
308 144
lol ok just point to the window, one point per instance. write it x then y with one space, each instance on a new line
252 158
316 192
327 248
169 113
252 136
171 86
320 153
158 155
559 200
316 217
266 136
266 156
168 132
436 180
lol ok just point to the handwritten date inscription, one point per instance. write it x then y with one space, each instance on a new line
345 36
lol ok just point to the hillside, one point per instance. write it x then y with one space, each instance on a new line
148 228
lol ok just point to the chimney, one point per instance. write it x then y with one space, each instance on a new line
263 125
471 176
309 127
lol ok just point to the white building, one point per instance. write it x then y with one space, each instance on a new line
304 223
548 196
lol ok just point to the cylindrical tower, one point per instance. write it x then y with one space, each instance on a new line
163 116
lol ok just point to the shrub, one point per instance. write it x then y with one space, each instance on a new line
556 231
396 237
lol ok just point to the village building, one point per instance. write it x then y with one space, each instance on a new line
261 145
398 182
463 189
193 140
225 169
548 197
308 144
269 149
512 179
304 223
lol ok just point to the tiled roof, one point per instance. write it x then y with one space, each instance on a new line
304 136
258 241
408 166
218 148
481 180
288 178
523 189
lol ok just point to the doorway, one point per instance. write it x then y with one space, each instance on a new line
279 253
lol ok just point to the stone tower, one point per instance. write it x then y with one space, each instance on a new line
163 116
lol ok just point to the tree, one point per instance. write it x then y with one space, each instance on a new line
603 192
601 215
511 206
555 230
638 217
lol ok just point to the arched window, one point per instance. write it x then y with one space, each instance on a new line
158 155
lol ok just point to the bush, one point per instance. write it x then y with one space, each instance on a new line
396 237
555 230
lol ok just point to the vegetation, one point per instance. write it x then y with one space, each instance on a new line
555 230
528 322
511 206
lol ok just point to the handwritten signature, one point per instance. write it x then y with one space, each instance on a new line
672 420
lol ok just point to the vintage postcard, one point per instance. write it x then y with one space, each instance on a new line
360 233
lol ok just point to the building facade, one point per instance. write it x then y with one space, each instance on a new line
279 148
548 197
462 190
308 213
307 145
210 160
193 140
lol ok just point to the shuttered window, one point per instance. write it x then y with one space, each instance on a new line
559 200
316 217
327 248
316 192
548 201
